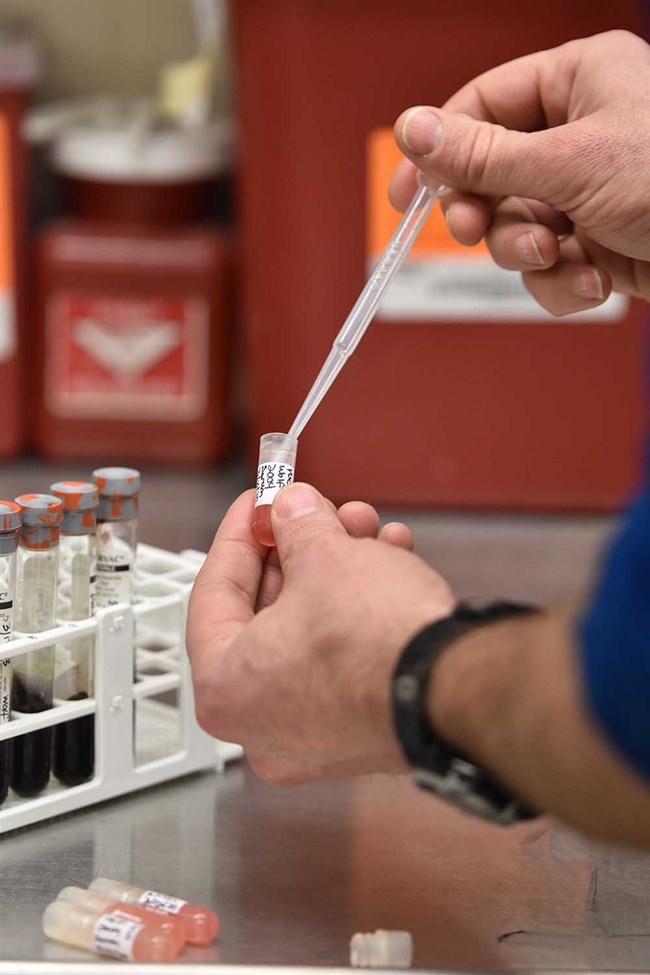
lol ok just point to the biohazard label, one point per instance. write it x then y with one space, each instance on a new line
161 902
115 936
271 478
440 279
126 357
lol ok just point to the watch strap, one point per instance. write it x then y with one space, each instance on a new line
436 765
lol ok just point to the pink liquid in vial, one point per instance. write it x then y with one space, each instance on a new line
202 923
262 525
116 935
174 927
155 945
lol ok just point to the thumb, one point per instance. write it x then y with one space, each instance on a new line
301 514
487 159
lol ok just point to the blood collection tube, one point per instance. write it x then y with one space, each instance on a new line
117 533
276 468
90 900
73 752
202 923
10 522
113 935
33 678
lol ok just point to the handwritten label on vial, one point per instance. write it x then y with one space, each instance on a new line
161 902
5 690
6 628
115 936
271 478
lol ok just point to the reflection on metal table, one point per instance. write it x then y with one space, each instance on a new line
294 873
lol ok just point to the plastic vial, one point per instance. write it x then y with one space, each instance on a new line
10 522
276 468
90 900
383 949
107 934
117 534
33 678
73 752
202 923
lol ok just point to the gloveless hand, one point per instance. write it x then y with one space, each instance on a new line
294 661
547 156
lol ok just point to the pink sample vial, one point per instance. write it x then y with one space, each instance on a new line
276 468
89 900
202 923
112 935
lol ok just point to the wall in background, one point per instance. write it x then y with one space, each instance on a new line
105 46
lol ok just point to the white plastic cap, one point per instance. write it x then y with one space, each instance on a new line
165 155
383 949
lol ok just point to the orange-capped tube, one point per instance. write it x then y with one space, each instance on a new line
109 934
90 900
202 923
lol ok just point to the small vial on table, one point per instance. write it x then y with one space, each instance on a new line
90 900
383 949
202 923
33 677
10 522
107 934
73 753
117 533
276 469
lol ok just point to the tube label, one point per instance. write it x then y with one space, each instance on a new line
271 478
115 936
161 902
6 629
5 691
114 581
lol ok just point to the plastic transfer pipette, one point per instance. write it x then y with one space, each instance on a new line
366 305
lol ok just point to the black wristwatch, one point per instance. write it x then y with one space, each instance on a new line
436 765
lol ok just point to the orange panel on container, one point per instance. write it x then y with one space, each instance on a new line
476 402
9 238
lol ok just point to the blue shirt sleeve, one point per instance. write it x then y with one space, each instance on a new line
614 637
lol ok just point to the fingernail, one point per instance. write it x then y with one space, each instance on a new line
297 500
588 284
527 249
421 131
449 220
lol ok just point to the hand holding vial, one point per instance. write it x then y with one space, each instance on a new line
291 652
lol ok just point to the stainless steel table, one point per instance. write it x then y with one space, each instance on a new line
293 874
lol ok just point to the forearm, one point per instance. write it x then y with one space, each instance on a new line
509 695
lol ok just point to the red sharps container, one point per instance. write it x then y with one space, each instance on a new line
133 299
19 72
492 402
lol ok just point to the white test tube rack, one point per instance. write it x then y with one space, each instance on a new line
145 730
